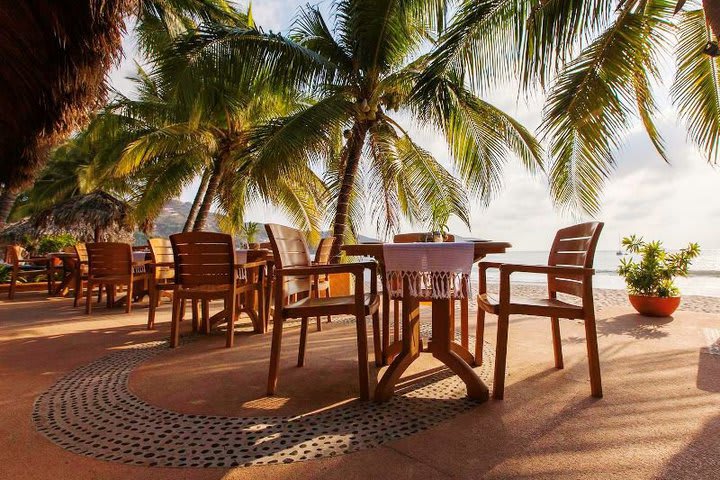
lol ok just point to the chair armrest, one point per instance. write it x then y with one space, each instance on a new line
356 267
482 274
547 269
259 263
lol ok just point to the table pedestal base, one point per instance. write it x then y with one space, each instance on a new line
456 357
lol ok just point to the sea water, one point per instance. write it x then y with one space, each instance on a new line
704 277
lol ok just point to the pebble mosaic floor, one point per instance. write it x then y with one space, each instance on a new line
92 412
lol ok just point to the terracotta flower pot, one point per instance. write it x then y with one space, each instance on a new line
654 306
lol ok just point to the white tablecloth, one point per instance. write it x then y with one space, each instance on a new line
434 270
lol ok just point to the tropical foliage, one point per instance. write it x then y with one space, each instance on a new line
601 61
363 67
654 272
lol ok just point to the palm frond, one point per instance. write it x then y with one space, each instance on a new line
591 106
696 89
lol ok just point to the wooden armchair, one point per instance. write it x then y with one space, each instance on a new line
24 267
321 283
294 274
204 270
161 274
111 265
569 271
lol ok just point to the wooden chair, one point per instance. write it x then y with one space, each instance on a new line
569 271
321 283
81 272
294 272
110 265
24 267
204 271
464 303
161 274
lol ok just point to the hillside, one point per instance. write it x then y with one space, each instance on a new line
172 219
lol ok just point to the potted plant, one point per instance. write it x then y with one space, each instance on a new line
250 231
649 279
438 225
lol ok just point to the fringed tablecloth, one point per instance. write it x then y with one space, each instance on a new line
433 270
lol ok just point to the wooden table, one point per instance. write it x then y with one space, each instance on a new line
68 272
442 344
255 292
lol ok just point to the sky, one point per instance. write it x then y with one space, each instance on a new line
676 202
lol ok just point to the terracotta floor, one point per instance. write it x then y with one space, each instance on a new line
660 417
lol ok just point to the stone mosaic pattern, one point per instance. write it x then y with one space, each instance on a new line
92 412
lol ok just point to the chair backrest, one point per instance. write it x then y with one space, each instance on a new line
203 258
322 255
418 237
161 250
14 255
290 250
109 259
573 246
82 253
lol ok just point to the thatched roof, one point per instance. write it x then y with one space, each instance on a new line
55 56
96 216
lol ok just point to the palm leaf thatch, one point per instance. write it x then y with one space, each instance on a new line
55 57
98 212
96 216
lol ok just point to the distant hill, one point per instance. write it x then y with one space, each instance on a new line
172 219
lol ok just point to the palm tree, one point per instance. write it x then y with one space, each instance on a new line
181 128
601 61
362 68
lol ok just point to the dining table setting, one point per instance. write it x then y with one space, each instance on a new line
438 273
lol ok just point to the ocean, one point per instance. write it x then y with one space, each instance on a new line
704 278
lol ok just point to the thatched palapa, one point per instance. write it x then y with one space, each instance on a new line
96 216
55 55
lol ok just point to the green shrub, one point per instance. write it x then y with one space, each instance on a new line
54 243
654 274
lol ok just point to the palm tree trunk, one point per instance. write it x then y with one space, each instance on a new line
7 200
712 16
192 215
209 198
354 152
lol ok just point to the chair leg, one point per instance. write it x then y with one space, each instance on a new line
318 322
175 322
100 289
377 346
593 356
303 342
557 343
363 370
13 281
78 289
479 336
194 314
230 309
152 306
464 327
275 351
327 294
501 356
129 297
206 316
88 297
